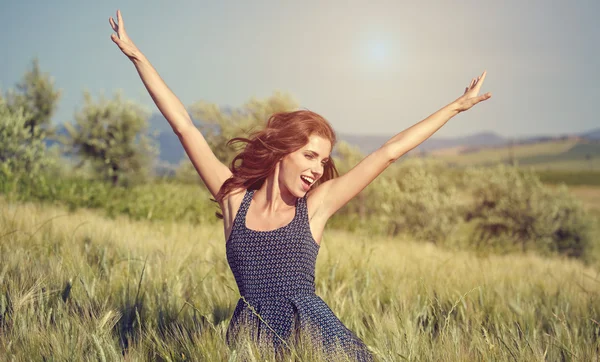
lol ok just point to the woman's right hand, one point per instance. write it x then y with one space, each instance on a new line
121 38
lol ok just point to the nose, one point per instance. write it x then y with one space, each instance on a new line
317 172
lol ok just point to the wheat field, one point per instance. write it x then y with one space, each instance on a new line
78 286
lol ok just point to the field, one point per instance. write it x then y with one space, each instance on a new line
566 155
589 195
79 286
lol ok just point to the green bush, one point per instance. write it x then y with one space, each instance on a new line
22 153
111 136
419 201
511 210
419 198
159 200
494 210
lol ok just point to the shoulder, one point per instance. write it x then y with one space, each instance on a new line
232 202
237 193
315 199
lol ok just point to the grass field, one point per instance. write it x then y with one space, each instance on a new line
78 286
567 155
497 154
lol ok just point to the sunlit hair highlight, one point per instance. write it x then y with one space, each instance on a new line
285 133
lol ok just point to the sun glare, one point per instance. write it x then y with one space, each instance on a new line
377 51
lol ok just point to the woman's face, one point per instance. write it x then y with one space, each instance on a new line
299 170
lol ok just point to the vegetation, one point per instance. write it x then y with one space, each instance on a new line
512 210
556 158
110 135
435 262
220 125
79 286
36 98
22 151
571 178
488 210
154 201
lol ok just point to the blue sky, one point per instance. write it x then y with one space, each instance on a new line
372 68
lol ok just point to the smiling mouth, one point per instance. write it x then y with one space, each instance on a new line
307 180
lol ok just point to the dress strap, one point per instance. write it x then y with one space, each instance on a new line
302 212
244 206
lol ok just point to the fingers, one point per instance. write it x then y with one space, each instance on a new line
112 24
118 26
476 83
480 80
115 38
120 19
481 98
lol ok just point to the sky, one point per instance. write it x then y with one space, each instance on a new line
373 67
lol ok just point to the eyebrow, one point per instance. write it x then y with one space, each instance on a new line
317 154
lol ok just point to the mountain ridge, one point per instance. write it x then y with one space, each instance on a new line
171 151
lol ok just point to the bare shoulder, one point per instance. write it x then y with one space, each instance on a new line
315 200
231 203
317 214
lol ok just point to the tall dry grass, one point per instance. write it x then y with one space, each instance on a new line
78 286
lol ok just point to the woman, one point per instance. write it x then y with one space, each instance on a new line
276 199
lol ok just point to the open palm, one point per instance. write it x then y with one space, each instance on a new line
471 96
121 39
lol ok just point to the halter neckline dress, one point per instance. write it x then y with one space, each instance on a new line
275 274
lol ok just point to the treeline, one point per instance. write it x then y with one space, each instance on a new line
107 159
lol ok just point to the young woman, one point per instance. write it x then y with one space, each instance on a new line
276 199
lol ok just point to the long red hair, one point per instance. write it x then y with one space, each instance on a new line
285 133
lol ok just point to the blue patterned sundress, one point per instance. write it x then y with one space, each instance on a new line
275 274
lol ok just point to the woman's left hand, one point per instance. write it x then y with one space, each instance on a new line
471 97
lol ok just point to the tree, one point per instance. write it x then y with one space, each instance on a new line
219 125
36 97
111 135
511 210
21 152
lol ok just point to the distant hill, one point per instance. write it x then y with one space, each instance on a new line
157 122
171 150
578 152
368 144
592 135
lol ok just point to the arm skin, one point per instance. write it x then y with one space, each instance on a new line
333 194
210 169
413 136
167 102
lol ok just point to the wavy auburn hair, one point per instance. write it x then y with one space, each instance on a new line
285 133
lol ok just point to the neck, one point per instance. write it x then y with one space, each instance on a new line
272 196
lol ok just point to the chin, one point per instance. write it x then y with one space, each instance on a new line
297 192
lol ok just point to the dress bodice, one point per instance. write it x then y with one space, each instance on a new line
278 262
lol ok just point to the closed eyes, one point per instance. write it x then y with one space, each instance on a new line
312 156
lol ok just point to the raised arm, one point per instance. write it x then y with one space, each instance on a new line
210 169
333 194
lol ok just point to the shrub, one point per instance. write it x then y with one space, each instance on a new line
417 199
22 153
512 210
